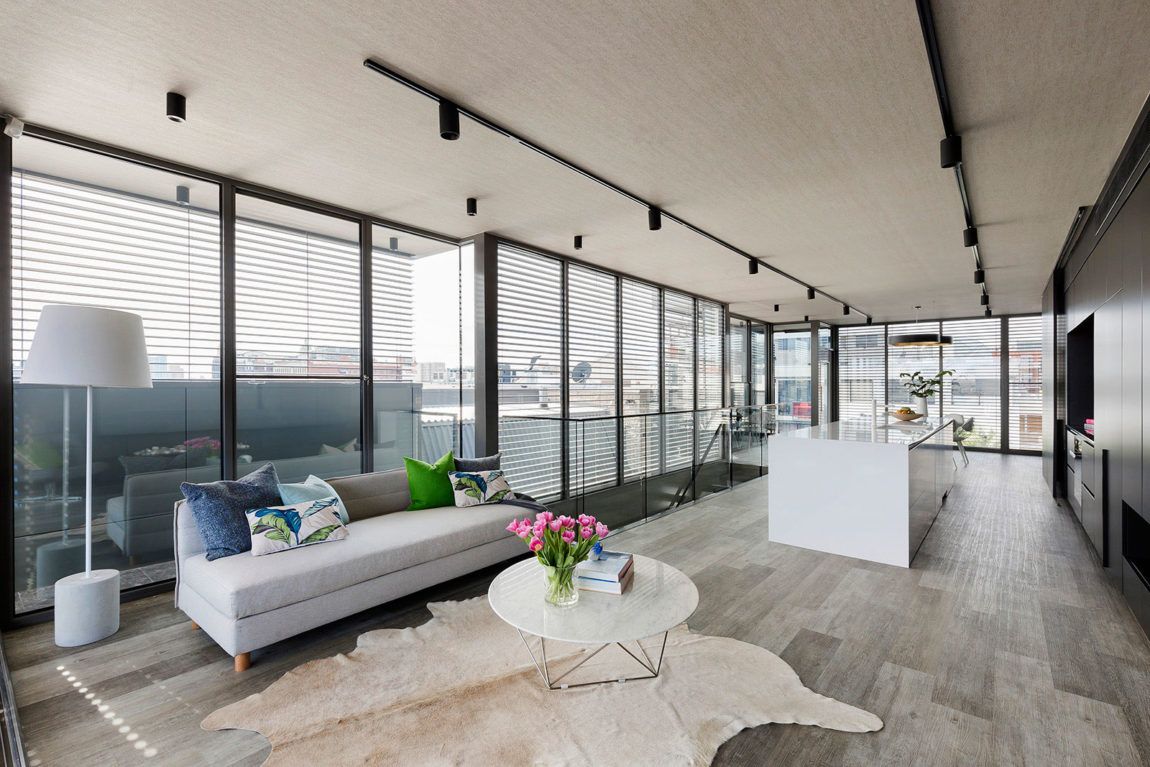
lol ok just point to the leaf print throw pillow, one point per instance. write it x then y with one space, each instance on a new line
279 528
472 488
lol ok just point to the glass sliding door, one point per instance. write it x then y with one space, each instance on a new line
418 371
297 341
791 362
92 230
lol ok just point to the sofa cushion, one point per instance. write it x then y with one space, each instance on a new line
428 482
313 489
219 509
294 526
243 586
370 495
483 463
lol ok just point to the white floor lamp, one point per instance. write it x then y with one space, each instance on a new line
90 347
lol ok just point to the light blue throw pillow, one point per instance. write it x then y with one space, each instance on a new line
313 489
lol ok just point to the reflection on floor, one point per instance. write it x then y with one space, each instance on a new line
1005 644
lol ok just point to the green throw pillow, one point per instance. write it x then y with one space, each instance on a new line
429 484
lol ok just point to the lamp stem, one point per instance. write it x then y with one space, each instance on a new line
88 490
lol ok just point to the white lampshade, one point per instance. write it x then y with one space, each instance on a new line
88 346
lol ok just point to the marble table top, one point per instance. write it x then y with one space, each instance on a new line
660 598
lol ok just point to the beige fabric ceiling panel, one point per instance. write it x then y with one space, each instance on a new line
804 132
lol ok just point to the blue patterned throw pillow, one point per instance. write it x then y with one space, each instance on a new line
473 488
312 489
279 528
219 509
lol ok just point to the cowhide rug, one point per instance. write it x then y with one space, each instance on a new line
462 689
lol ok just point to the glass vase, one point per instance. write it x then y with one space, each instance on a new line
561 589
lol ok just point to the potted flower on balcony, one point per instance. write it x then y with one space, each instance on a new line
922 388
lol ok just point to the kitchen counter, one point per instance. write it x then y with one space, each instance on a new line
860 489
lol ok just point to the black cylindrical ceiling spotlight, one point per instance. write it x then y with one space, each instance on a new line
987 312
950 151
806 318
776 307
870 320
578 242
753 266
177 107
846 310
654 219
810 294
979 276
472 206
984 299
393 244
448 120
183 195
969 237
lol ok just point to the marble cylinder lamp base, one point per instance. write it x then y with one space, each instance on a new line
87 607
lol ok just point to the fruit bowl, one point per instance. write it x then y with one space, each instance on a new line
906 416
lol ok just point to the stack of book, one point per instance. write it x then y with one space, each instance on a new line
612 573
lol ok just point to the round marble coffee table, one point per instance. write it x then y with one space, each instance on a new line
659 599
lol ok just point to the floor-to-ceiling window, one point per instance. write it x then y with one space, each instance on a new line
862 370
641 312
92 230
758 363
791 363
737 347
530 338
297 341
678 423
974 391
418 290
592 314
1024 400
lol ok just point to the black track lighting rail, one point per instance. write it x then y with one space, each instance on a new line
491 125
930 40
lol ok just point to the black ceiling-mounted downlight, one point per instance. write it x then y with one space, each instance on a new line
654 219
183 195
578 242
984 299
979 276
870 320
177 107
753 267
969 237
987 312
950 151
448 120
393 244
776 307
472 206
806 318
810 294
846 310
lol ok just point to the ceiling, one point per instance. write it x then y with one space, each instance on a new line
803 132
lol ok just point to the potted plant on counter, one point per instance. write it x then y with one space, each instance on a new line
921 388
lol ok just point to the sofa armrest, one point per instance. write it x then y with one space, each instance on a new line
187 540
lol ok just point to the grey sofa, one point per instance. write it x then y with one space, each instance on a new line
246 603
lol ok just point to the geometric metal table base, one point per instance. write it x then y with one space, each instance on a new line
556 683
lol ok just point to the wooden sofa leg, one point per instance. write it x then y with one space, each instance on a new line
195 626
243 661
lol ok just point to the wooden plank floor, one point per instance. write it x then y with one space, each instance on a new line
1004 644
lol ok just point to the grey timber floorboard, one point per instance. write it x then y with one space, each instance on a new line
1004 644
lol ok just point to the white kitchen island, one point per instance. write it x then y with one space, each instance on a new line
860 489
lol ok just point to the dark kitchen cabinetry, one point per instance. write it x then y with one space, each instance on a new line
1099 478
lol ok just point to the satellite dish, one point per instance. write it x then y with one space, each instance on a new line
581 372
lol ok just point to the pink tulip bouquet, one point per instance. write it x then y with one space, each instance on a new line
560 543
